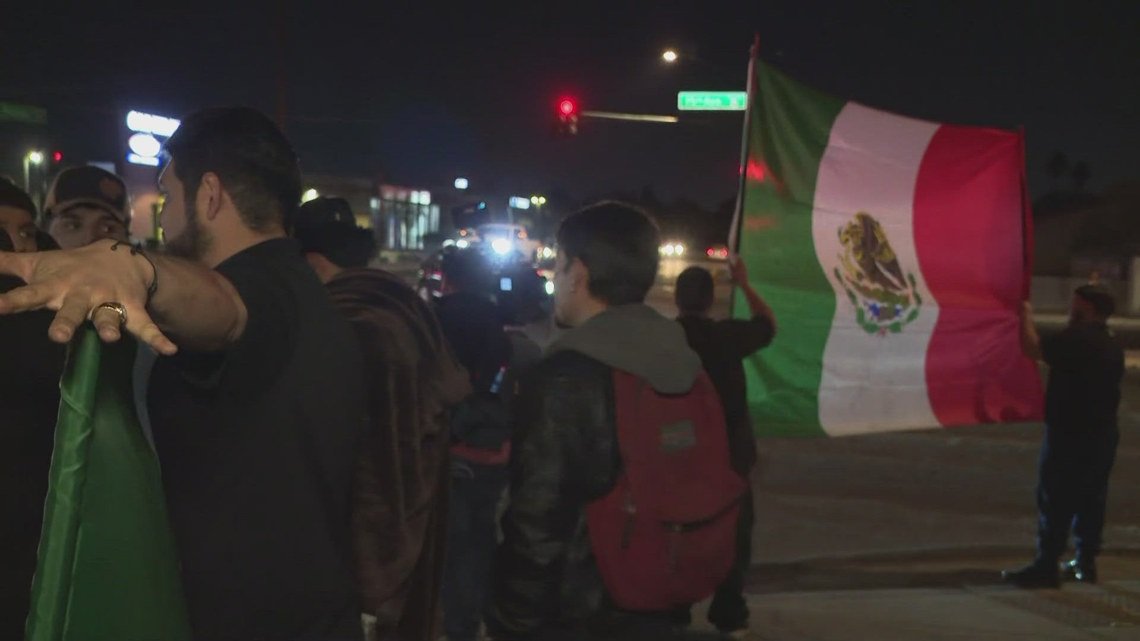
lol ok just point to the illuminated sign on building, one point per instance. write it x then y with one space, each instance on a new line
151 124
150 131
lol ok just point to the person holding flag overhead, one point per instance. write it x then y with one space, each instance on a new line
1086 365
723 345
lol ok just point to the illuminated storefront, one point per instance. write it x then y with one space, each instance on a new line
405 215
143 137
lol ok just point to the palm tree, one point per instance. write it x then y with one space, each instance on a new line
1057 167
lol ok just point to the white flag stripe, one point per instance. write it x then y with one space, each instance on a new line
872 382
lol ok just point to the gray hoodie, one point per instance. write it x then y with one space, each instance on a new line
636 339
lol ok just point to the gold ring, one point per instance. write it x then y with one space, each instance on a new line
113 306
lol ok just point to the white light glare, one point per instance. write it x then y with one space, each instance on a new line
501 246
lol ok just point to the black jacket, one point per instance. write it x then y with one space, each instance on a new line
565 456
723 345
568 457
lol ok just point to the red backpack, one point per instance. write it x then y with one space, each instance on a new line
665 536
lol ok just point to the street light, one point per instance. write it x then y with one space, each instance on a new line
31 158
669 56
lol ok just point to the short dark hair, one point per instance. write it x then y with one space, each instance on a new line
249 154
465 270
1102 300
694 293
619 244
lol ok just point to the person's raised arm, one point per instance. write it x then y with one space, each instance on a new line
1030 342
756 304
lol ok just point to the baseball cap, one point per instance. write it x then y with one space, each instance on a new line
328 227
324 210
90 186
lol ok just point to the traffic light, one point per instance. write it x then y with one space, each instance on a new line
57 157
566 123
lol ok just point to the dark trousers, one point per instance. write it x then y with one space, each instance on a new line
1072 489
729 610
471 531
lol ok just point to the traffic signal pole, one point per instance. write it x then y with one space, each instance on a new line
614 115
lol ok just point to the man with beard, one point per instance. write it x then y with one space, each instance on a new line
256 403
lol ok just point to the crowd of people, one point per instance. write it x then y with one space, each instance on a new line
343 460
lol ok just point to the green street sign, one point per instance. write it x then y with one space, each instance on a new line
15 112
712 100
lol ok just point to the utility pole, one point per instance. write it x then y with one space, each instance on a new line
282 63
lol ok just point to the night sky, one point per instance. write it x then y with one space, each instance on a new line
427 91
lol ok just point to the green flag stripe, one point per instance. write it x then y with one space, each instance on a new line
789 130
58 542
108 567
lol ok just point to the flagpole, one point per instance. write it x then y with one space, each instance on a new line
738 211
750 89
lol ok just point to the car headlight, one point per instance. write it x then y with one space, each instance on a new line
501 246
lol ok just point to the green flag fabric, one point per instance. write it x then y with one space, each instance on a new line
107 561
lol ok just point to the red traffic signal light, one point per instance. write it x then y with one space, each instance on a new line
567 107
57 156
567 121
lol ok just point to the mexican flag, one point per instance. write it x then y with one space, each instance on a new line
894 253
107 570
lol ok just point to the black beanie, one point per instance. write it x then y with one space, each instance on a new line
12 196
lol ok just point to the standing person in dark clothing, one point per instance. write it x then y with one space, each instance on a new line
1086 366
480 437
399 507
723 345
30 367
256 403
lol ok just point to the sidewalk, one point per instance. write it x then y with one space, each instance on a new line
1076 612
954 597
